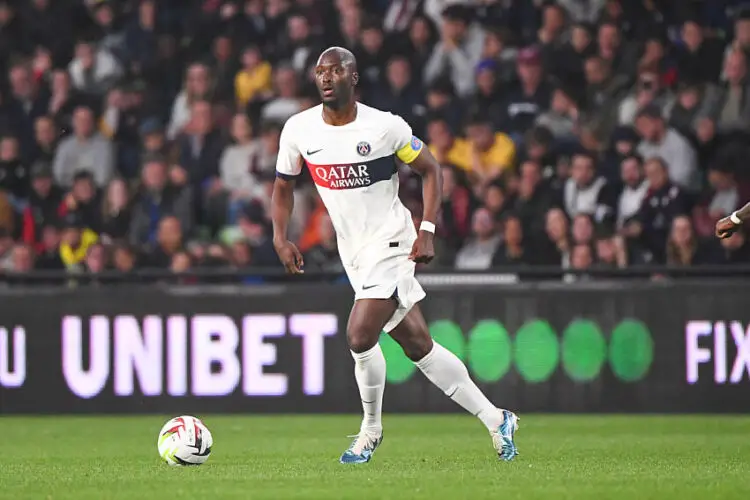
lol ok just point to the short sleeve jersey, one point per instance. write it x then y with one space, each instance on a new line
355 171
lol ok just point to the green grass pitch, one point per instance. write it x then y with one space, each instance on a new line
422 457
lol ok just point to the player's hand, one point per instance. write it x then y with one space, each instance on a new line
290 256
423 251
726 228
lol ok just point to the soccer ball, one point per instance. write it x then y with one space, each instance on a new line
185 441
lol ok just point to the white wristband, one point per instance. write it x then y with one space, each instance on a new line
427 226
736 220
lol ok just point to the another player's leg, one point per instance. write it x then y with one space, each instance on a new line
449 374
366 321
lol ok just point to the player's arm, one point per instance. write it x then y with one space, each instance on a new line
419 158
729 225
288 168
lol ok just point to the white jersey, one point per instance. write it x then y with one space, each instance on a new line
355 171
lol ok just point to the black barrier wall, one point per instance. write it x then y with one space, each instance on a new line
654 347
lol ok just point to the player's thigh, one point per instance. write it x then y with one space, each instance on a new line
366 321
413 335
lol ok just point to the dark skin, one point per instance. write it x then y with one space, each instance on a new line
336 78
726 228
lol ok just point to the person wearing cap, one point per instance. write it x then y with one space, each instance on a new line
458 51
658 140
530 97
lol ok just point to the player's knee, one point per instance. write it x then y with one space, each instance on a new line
360 339
417 347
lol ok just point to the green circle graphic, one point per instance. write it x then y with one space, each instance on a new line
398 368
537 351
584 350
631 350
449 335
489 351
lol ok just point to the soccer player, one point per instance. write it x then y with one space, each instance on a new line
350 150
727 226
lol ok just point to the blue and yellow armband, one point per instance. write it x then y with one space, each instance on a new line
409 153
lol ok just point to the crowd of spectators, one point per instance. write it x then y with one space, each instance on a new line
575 133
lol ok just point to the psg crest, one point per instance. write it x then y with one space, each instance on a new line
363 148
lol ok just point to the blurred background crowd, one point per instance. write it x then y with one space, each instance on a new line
578 133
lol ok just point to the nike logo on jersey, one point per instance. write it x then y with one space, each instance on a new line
310 153
368 287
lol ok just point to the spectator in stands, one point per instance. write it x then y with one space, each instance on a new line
22 259
698 58
48 250
442 103
198 86
224 68
285 101
512 251
84 200
647 91
141 41
610 251
603 90
530 98
634 189
96 259
253 226
585 193
446 147
158 198
534 199
684 248
115 211
455 213
664 201
200 148
325 256
27 103
660 141
94 69
477 253
85 150
242 255
401 94
421 38
581 258
554 248
254 78
491 153
14 173
239 182
458 51
124 258
495 200
169 242
562 117
45 140
501 54
75 242
726 108
686 109
372 54
45 204
64 100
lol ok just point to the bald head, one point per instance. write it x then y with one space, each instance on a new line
335 77
338 55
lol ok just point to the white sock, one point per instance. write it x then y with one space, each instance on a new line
446 371
369 371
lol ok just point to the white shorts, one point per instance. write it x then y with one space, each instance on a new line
384 272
